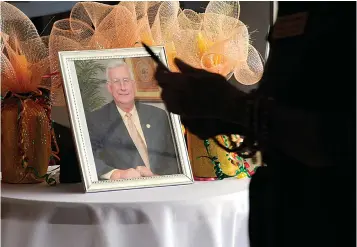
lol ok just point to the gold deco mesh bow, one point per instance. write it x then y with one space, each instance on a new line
24 54
215 40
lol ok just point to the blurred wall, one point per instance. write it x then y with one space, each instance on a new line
43 8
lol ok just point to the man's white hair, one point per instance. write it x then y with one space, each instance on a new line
116 64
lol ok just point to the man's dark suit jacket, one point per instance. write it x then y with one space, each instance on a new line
113 147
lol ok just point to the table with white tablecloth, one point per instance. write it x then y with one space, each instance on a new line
209 214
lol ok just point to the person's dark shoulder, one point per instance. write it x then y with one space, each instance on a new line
99 114
153 110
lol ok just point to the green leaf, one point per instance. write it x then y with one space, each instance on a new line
89 84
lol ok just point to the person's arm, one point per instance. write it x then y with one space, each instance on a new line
170 166
107 172
316 139
169 157
196 94
299 134
96 134
103 170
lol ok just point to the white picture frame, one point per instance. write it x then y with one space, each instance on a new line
81 133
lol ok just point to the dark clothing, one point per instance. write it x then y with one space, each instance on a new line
294 203
113 147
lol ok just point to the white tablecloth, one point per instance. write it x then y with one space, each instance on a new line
207 214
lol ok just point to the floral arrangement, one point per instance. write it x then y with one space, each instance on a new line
26 133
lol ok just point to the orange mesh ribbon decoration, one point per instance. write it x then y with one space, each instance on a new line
215 40
26 133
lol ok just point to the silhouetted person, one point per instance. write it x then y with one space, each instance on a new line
305 125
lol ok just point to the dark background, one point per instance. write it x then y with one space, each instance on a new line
256 15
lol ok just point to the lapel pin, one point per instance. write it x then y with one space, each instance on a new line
148 126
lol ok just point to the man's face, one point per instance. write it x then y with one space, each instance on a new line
121 85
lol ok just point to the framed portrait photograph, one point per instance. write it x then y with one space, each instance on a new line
124 136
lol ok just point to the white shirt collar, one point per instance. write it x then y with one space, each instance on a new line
133 111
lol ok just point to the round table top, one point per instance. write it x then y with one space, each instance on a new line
74 193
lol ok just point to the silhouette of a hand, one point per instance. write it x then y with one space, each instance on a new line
207 103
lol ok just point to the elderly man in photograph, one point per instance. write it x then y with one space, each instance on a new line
130 139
